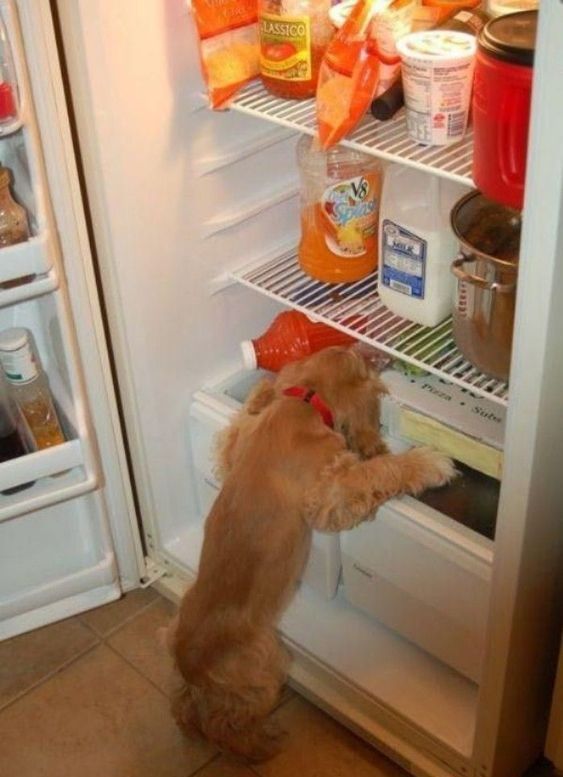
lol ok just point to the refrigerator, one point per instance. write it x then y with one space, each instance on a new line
163 235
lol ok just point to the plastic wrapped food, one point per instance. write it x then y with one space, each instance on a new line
229 49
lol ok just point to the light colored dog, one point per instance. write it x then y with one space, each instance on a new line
285 472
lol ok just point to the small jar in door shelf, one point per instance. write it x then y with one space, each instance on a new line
293 37
501 106
14 226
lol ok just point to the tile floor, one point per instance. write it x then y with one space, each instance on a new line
87 697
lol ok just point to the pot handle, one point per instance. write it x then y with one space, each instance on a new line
502 288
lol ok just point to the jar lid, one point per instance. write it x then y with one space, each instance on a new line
511 38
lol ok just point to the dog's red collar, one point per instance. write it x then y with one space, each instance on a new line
313 399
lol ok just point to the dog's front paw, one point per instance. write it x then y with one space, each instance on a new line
428 468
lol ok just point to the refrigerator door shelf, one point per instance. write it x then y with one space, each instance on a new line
58 474
33 257
54 563
40 285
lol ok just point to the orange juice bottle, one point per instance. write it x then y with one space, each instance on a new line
340 193
291 336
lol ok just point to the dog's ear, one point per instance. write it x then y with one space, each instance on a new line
260 397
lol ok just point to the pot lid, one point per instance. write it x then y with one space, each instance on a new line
511 38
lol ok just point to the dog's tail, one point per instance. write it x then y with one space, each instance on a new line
229 703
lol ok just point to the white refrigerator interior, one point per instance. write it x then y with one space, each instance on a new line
445 664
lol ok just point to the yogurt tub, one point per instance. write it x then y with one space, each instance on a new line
437 69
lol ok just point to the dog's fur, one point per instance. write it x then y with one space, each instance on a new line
284 473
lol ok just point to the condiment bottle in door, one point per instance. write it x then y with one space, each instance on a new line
293 37
340 192
30 387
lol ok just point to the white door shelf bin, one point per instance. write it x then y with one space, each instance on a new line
57 474
358 304
70 469
386 139
32 257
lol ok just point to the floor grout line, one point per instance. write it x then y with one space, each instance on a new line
205 765
50 675
112 631
137 670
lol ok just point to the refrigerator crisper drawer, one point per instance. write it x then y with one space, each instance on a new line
424 576
210 412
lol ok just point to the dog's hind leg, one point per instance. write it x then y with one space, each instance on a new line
349 490
231 706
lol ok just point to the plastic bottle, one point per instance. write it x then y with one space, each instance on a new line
417 244
293 37
8 83
291 336
12 443
30 387
340 192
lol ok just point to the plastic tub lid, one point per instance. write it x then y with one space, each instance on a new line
511 38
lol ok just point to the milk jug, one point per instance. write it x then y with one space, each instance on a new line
417 245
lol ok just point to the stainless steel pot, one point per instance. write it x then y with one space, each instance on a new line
486 271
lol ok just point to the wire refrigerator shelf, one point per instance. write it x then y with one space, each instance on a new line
357 309
388 140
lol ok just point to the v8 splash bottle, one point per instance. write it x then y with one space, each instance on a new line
340 193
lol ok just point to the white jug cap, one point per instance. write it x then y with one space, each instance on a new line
248 355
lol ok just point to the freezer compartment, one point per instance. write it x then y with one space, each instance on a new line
69 469
210 412
424 575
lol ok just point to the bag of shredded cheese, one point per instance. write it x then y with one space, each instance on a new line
229 46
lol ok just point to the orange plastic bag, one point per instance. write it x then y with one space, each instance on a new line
229 46
349 74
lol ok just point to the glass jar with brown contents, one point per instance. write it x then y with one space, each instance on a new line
13 218
293 37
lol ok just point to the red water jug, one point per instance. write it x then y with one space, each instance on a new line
501 106
291 336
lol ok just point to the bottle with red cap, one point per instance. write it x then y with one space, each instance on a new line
292 336
8 83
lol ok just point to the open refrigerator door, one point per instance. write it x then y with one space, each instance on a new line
196 223
58 536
